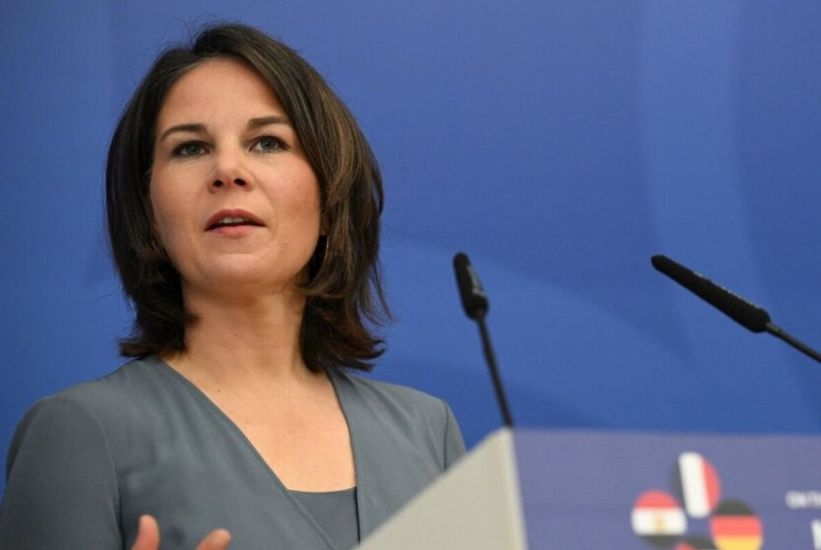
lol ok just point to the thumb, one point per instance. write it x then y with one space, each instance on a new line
148 534
216 540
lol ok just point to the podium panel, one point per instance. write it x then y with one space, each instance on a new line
582 490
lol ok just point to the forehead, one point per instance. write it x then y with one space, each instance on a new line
218 89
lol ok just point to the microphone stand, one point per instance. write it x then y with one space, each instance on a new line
778 332
490 357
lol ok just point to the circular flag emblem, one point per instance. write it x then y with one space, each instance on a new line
735 526
658 519
698 484
696 543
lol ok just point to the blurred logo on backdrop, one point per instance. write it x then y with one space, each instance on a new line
664 519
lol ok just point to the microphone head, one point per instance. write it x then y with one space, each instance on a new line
474 299
737 308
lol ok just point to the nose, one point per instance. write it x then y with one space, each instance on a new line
230 170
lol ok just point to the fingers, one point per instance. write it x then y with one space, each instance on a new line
148 537
216 540
148 534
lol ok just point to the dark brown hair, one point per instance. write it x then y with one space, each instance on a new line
345 297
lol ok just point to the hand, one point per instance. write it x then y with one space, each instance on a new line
148 537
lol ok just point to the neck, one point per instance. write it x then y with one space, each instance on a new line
241 340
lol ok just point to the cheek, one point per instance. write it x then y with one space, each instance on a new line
309 218
168 209
300 197
158 212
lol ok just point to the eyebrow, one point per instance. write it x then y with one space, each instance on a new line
266 120
199 128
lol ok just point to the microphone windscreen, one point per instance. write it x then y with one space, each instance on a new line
737 308
474 299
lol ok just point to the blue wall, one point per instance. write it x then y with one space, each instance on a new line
559 143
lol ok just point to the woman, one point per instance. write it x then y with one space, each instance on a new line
243 210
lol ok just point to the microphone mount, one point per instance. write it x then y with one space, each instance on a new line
737 308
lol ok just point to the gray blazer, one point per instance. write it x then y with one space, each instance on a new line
86 463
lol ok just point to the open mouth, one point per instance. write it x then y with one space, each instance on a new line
225 218
233 222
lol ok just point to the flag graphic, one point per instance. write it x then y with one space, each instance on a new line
658 519
699 484
735 526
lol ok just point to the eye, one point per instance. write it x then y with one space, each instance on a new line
268 144
189 149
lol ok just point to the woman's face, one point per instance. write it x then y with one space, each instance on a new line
236 203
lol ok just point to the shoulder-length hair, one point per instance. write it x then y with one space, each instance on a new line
345 299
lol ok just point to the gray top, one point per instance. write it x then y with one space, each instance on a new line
84 464
335 512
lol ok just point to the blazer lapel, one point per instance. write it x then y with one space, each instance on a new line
391 464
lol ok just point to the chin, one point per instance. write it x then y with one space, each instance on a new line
245 278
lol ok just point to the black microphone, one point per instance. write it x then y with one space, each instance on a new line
474 301
734 306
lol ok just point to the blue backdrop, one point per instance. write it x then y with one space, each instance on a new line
559 143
